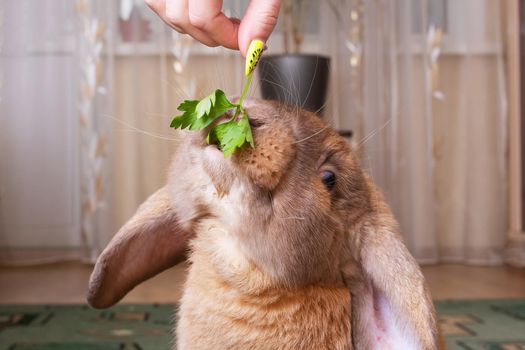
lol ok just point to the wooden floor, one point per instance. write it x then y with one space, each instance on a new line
67 282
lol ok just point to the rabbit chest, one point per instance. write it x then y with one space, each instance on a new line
229 303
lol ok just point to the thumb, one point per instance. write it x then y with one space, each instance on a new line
258 22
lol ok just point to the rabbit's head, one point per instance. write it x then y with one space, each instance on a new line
301 209
289 200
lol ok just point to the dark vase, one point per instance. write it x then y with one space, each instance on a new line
297 79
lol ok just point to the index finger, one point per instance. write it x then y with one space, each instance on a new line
207 16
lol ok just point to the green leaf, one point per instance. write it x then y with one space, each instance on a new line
222 102
244 125
217 133
232 135
187 105
198 115
204 106
203 123
186 119
221 106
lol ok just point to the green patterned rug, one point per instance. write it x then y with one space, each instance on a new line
483 324
488 325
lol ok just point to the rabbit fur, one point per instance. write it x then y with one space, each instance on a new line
279 259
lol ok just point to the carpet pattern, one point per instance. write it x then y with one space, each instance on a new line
483 324
78 327
467 325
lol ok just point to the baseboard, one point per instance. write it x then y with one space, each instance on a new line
516 236
515 249
39 256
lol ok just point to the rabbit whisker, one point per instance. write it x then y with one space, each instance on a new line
138 130
373 133
314 134
311 84
294 218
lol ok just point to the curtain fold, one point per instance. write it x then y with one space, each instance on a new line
94 64
437 108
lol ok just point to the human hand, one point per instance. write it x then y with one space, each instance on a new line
205 21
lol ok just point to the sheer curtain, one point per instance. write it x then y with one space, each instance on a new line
42 132
55 147
433 124
88 88
87 94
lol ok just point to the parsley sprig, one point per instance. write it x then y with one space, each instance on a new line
201 114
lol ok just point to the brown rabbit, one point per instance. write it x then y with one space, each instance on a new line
291 246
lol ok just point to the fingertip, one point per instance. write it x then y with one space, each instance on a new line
243 43
258 23
245 39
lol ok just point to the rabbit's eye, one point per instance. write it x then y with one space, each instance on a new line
328 179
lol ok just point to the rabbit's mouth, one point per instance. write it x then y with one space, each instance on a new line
213 151
214 142
219 169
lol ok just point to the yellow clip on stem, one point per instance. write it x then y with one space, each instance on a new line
252 56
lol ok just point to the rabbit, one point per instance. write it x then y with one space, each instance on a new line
290 244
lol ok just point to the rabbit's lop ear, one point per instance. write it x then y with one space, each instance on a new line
150 242
391 306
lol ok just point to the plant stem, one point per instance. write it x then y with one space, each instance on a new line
245 89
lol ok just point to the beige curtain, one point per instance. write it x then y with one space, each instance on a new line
420 82
54 91
433 127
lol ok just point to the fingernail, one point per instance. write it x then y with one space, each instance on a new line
253 54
